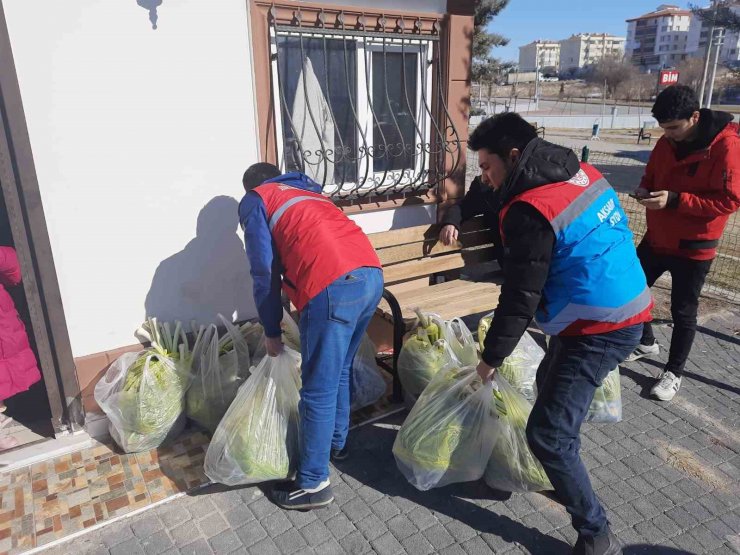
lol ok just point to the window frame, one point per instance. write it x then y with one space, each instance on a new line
366 44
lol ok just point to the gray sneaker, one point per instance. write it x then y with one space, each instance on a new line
667 386
643 351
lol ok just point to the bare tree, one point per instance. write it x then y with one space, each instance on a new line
612 71
691 72
719 14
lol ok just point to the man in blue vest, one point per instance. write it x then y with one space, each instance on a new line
569 261
298 239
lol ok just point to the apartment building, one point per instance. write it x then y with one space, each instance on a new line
584 49
659 39
539 54
699 37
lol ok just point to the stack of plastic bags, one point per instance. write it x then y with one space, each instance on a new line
450 433
258 438
143 394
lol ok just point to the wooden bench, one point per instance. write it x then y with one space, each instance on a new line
421 272
540 130
642 136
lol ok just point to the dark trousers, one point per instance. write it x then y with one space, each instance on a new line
687 280
567 378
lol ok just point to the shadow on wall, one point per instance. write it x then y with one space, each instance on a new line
151 6
210 276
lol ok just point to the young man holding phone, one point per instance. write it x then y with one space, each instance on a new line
690 188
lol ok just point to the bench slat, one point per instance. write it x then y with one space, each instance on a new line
412 251
419 233
423 267
457 289
468 298
403 236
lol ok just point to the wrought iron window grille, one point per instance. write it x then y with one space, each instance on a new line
360 107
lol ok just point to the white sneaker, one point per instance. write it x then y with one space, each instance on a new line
643 351
667 387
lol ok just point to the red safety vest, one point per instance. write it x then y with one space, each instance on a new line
316 241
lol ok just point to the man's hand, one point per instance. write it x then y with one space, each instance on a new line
448 234
485 371
274 346
658 200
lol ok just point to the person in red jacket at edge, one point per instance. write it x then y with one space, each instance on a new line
18 368
298 239
690 188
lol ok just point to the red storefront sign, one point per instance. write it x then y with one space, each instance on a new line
668 77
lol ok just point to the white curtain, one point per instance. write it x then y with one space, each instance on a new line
315 134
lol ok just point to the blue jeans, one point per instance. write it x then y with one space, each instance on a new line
567 378
332 325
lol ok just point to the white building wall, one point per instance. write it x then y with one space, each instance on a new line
528 57
139 138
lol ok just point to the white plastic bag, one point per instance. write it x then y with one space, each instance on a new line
513 466
450 433
254 335
258 437
220 366
424 353
143 395
368 384
291 334
520 367
461 342
606 406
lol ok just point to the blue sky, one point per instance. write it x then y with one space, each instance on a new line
523 21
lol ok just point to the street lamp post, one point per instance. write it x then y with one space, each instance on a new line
708 55
718 47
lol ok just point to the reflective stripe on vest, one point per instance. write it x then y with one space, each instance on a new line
295 200
574 312
580 204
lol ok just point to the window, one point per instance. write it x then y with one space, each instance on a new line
354 112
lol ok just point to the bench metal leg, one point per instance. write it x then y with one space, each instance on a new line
399 328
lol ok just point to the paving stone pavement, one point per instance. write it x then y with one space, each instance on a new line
668 475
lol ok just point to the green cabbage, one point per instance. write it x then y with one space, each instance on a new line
520 367
257 439
447 436
150 403
420 360
513 466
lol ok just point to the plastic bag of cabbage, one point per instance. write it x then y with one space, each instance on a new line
606 406
424 353
258 438
520 367
462 342
220 366
450 433
513 466
368 384
143 394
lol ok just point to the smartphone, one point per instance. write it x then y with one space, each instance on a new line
637 196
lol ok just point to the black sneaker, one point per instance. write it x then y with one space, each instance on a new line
339 454
606 544
289 496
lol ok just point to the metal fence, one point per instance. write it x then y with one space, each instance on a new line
624 174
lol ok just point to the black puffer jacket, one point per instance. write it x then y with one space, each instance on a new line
480 200
529 241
